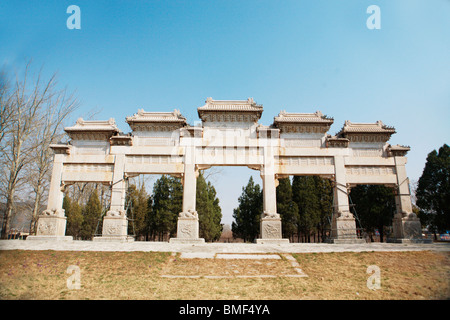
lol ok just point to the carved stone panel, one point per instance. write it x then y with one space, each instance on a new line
51 225
271 228
115 226
187 228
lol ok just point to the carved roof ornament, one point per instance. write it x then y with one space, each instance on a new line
61 148
366 132
92 129
160 117
303 122
397 150
335 142
230 110
122 140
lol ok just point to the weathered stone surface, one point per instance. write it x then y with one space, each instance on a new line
187 228
51 225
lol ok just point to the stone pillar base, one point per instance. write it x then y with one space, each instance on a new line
50 226
115 228
407 229
271 230
344 230
187 229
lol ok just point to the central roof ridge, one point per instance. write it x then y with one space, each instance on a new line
213 108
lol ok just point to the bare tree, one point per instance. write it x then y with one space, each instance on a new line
49 130
34 122
6 109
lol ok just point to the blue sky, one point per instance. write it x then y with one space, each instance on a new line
298 56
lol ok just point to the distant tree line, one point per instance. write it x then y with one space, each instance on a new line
306 206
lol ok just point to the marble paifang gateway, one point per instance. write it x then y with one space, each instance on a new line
229 135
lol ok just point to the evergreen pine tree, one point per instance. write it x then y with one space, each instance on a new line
375 207
74 216
287 208
176 201
325 193
208 209
247 215
167 203
433 191
91 214
305 195
137 201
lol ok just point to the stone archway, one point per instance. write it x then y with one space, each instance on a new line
229 134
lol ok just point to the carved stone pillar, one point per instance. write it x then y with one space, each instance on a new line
51 224
406 225
343 225
270 225
115 223
187 224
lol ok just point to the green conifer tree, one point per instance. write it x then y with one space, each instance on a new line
137 201
305 195
247 215
167 200
374 206
208 209
287 208
74 216
433 191
91 214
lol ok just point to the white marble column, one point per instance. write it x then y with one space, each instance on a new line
405 225
187 224
115 223
270 225
343 225
51 223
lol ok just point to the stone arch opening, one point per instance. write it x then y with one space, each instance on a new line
229 183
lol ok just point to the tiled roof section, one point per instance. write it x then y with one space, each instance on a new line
231 105
317 117
398 150
93 125
377 127
216 110
158 117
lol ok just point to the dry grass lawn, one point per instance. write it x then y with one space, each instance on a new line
142 275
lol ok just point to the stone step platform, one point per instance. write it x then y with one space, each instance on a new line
214 248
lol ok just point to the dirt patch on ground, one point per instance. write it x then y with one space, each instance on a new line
142 275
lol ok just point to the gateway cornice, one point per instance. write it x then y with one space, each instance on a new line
366 132
92 129
302 122
230 111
